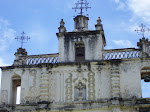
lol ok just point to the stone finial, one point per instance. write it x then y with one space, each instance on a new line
144 45
62 23
62 28
19 54
99 20
99 26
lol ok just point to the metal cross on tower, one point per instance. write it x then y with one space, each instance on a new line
82 4
142 30
22 39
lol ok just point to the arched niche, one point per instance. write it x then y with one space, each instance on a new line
80 91
16 82
79 51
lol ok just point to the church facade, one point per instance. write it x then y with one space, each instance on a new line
83 76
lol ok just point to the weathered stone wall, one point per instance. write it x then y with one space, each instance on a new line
103 80
93 42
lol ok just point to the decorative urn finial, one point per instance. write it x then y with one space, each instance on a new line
62 28
99 26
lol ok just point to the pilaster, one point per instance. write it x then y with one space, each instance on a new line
44 85
115 81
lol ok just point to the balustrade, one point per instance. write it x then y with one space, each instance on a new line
107 55
121 53
37 59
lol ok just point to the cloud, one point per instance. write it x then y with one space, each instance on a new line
121 5
139 8
7 34
123 43
2 63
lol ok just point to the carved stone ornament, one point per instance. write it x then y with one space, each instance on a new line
91 86
69 88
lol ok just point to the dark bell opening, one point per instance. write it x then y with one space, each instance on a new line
80 52
147 78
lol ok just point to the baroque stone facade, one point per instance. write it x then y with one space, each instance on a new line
83 76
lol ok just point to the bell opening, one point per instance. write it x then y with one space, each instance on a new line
79 51
147 78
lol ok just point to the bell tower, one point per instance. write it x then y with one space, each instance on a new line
81 44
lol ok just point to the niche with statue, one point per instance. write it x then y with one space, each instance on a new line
80 92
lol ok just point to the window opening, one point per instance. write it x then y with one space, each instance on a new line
145 82
79 51
18 95
16 86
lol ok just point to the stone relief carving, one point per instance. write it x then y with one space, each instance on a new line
91 86
4 96
80 92
69 88
80 76
98 84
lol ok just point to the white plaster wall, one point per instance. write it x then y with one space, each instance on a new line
130 80
103 84
93 47
6 85
98 48
61 49
29 92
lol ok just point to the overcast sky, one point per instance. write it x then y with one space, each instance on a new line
39 19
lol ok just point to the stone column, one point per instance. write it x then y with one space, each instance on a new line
144 44
19 56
